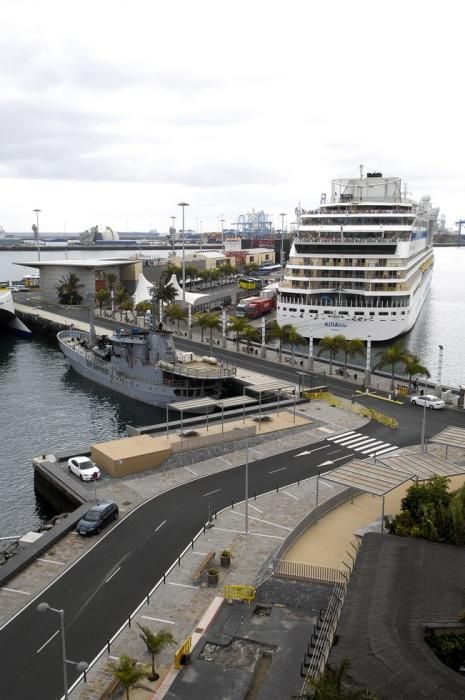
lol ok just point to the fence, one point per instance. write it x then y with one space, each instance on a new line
306 572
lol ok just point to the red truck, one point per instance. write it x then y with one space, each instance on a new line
254 307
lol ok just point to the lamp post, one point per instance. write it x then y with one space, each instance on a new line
222 232
423 422
246 522
81 666
183 205
35 228
281 257
173 230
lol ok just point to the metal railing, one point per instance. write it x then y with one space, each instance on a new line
306 572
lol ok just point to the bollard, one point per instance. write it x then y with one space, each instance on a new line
164 578
204 529
255 496
179 561
277 488
148 599
108 645
216 514
232 505
129 622
85 676
298 482
192 544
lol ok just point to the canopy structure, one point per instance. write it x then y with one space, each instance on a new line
450 437
380 477
143 288
208 403
271 388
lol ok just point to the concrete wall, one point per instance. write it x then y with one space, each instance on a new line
130 464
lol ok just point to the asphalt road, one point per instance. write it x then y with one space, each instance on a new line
106 585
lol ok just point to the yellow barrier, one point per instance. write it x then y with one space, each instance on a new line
240 593
182 652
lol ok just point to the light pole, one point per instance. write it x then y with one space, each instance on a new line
183 205
222 232
246 523
173 231
281 257
423 423
81 666
35 228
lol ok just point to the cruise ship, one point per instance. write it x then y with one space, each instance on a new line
361 263
8 318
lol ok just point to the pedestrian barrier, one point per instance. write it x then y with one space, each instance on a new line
182 652
240 593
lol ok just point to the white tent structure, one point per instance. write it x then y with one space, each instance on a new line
143 288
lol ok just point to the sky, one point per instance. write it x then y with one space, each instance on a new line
112 113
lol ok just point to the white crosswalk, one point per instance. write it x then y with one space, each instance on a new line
357 442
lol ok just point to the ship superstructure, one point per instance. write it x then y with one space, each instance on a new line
361 263
144 365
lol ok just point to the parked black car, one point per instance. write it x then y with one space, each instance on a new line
97 517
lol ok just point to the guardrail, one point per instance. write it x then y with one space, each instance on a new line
240 593
306 572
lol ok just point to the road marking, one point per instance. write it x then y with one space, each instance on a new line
51 561
113 574
14 590
325 430
47 642
340 435
225 461
158 619
381 452
260 520
345 440
201 554
210 492
377 443
331 461
281 469
256 452
254 507
290 494
191 471
334 452
309 452
181 585
256 534
160 526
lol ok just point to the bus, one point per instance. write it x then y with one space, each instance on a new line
251 283
269 269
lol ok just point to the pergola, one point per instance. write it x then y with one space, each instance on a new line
195 404
383 476
267 388
453 437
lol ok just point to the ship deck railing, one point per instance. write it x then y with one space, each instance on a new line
198 371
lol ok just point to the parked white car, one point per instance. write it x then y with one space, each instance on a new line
84 468
428 400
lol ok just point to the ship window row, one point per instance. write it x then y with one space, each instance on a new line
344 274
345 262
293 309
302 248
348 301
387 208
359 221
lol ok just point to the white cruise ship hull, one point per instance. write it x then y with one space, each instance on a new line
8 316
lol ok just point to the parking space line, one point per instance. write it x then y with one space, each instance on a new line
158 619
191 471
14 590
51 561
256 534
181 585
261 520
290 494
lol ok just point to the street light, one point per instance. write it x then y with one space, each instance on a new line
183 205
81 666
222 220
281 257
35 228
423 423
173 231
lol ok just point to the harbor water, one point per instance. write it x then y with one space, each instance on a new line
47 407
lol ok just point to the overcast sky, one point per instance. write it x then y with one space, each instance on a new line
113 112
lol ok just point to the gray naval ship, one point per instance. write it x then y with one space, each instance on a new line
144 365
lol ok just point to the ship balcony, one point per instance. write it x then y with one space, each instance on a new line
319 263
198 369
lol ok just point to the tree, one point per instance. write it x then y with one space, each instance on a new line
294 338
67 289
351 348
213 323
192 273
336 684
128 673
110 280
200 320
330 344
121 296
238 326
164 293
170 270
101 297
413 366
250 333
155 643
392 356
175 312
127 305
142 307
280 333
426 512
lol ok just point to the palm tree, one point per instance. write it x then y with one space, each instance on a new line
67 289
212 322
142 307
294 338
280 333
170 270
238 326
200 320
392 356
110 280
164 293
127 305
120 295
331 344
351 348
214 276
101 297
128 673
250 333
191 273
175 312
412 366
336 684
155 643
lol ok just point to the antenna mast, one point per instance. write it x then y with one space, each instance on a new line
361 172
